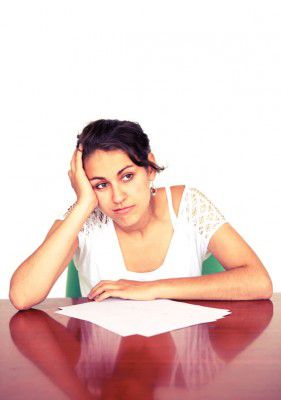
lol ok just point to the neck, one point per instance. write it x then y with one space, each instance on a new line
141 227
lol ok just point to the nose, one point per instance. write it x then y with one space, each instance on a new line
118 195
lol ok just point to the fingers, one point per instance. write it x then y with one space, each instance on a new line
78 158
121 294
102 289
102 286
108 293
106 285
72 162
124 289
111 293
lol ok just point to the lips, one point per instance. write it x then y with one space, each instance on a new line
123 210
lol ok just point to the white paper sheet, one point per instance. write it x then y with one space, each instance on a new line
146 318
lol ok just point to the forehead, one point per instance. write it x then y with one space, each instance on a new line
102 161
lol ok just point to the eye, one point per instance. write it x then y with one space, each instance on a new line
130 176
97 186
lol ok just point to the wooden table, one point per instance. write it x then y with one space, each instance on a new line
50 356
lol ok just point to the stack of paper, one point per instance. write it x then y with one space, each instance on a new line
147 318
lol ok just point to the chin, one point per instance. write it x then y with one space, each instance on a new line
124 221
129 220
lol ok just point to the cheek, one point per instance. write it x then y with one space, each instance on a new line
99 198
137 191
140 184
140 187
141 193
103 199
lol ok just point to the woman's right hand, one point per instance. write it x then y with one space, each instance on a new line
79 181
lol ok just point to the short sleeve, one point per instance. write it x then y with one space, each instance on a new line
93 224
206 219
96 219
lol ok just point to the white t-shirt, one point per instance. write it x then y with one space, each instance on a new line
99 257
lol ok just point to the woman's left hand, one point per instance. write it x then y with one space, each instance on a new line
124 289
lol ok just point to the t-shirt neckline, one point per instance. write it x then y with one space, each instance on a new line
174 218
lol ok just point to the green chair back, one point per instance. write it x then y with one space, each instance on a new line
72 281
209 266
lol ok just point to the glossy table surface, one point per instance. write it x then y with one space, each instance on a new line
44 355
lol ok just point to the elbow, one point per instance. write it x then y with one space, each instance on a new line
21 302
259 284
268 289
16 297
23 297
265 291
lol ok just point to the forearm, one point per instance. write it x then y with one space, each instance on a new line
242 283
34 278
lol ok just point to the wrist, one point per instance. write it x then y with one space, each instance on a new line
85 205
165 288
156 289
83 208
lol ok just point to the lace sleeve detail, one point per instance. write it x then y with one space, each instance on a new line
205 216
96 218
69 210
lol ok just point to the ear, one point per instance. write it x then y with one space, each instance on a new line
151 172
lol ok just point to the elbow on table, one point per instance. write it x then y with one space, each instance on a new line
21 303
265 289
269 290
18 304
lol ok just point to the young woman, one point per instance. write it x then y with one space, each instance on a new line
133 241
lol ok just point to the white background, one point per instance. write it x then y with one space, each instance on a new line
202 79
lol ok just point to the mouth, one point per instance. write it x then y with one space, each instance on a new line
124 210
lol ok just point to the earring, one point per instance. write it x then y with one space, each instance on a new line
153 189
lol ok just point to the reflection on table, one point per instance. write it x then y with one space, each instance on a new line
86 361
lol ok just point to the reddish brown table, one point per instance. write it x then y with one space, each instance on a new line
50 356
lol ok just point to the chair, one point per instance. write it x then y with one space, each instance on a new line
209 266
72 281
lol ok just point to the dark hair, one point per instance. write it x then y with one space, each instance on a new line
112 134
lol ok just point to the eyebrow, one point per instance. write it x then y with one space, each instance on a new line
118 173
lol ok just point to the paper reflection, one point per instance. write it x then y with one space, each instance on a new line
96 363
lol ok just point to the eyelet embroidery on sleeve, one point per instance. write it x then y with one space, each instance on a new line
204 214
69 210
96 218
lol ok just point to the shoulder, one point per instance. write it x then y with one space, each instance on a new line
177 193
95 222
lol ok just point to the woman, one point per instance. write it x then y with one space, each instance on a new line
132 241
